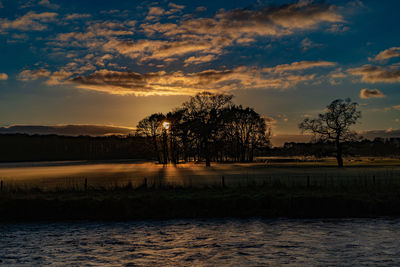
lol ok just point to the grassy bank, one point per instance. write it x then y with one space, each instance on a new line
128 203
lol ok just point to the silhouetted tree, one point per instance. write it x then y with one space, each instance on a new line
203 114
151 127
245 130
334 124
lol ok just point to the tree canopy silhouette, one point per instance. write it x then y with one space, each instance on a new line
334 124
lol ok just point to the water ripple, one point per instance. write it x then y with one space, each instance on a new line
203 243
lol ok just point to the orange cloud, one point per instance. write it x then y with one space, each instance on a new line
371 93
3 76
179 83
388 54
31 75
375 74
31 21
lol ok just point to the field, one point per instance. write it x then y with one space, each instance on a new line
134 190
290 172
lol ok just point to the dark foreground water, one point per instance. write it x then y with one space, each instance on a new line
203 243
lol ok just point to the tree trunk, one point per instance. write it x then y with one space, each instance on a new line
339 157
207 153
156 148
165 148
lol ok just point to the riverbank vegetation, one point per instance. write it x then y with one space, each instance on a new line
269 200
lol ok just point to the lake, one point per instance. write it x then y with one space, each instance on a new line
235 242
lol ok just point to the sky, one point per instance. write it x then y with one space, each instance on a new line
112 63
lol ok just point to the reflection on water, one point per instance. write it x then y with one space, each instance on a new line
203 242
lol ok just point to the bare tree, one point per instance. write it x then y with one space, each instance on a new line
334 124
203 111
151 127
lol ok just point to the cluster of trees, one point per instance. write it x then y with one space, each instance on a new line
208 127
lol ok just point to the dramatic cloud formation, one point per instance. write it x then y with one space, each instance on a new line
388 54
375 74
269 21
371 93
3 76
199 40
179 83
29 22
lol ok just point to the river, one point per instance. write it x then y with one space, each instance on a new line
225 242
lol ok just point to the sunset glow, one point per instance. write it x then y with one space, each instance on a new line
113 63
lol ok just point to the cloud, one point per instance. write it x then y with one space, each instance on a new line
301 65
94 36
201 9
172 5
48 4
31 75
59 77
179 83
29 22
157 49
307 44
268 21
200 59
396 107
3 76
371 93
388 54
154 13
197 40
375 74
240 26
270 121
75 16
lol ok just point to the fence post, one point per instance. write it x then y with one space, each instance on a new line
85 184
145 182
1 186
223 181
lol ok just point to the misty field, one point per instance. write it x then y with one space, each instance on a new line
275 172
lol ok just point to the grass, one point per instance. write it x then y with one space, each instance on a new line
148 191
128 203
73 176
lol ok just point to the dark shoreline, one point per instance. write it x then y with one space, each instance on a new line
183 203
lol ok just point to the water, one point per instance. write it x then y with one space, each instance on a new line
203 243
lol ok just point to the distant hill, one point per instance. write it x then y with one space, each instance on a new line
69 130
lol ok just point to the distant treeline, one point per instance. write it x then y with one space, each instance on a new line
379 147
23 147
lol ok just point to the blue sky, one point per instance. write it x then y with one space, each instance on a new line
115 62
